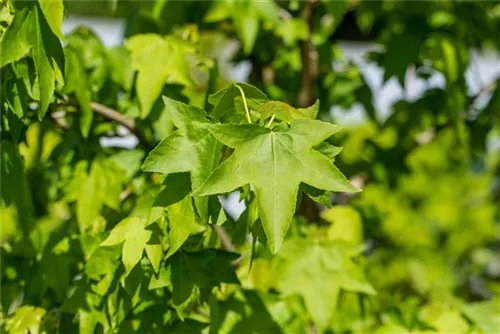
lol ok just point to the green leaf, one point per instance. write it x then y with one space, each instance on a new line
181 214
223 100
16 42
15 189
317 272
102 186
16 94
42 52
204 269
486 315
191 148
246 16
158 60
401 50
101 267
132 232
26 319
346 224
77 81
92 57
53 11
122 72
263 157
286 112
293 30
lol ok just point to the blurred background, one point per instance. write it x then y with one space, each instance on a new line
416 86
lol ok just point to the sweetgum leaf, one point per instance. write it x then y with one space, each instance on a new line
486 315
102 186
191 148
275 163
204 269
223 100
133 234
26 319
327 267
169 59
286 112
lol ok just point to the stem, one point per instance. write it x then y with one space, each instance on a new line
244 103
270 121
112 115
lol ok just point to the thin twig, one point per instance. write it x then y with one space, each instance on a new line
112 115
225 239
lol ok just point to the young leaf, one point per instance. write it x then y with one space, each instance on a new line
30 31
53 11
223 100
286 112
275 163
47 56
485 314
131 231
326 267
102 186
16 41
169 57
26 319
77 81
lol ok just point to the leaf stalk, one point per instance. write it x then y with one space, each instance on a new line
247 113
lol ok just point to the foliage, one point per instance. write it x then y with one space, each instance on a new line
104 238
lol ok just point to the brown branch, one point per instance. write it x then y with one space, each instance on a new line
309 56
227 243
224 238
305 97
112 115
119 118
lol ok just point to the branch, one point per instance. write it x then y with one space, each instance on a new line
309 57
112 115
225 239
227 243
305 96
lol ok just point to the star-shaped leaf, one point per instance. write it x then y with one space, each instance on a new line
317 272
275 162
191 148
157 61
134 235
